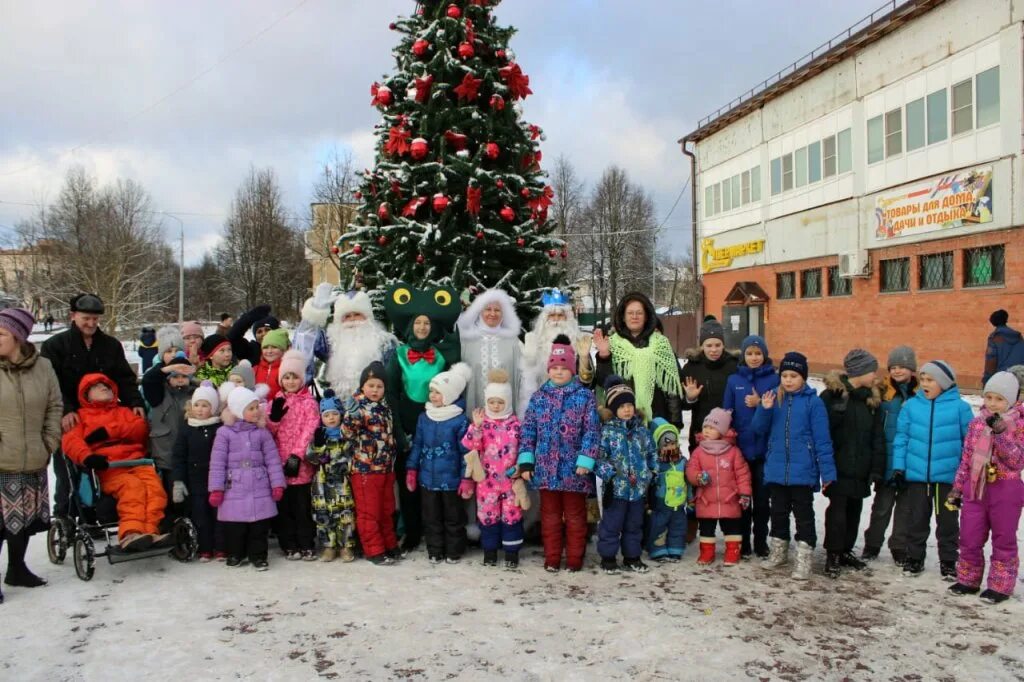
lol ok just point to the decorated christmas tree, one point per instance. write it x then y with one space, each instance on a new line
457 196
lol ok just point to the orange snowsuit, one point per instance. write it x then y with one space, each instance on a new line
139 493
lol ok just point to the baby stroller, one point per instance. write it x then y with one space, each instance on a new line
97 519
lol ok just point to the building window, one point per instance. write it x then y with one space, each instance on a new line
726 195
876 140
894 132
987 93
985 266
801 166
828 146
745 187
785 285
755 183
814 162
718 198
787 172
709 202
810 283
843 142
963 107
838 286
736 203
895 275
937 116
936 271
915 124
776 176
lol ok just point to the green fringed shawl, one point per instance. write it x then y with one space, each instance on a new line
648 368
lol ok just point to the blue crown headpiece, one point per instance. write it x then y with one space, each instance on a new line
555 297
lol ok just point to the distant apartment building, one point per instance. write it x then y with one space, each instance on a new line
329 221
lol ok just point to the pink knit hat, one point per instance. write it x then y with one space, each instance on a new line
295 362
562 354
720 419
191 329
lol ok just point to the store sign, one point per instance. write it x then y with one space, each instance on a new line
958 200
713 258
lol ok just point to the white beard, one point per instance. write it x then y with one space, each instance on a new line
538 344
354 345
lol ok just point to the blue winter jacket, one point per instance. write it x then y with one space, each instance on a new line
627 451
892 402
437 452
762 379
561 431
799 442
930 437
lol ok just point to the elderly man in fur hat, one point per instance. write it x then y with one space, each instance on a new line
556 317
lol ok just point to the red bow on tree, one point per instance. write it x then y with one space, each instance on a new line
531 160
474 196
469 88
414 205
415 356
535 132
398 141
518 83
423 88
539 205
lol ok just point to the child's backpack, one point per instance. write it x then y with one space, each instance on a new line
675 485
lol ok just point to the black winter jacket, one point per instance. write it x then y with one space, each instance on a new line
713 375
71 361
857 424
191 455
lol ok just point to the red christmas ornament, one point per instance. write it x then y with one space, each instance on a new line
507 214
457 141
466 51
440 203
474 195
423 86
500 184
480 235
392 26
420 258
553 253
492 150
335 249
381 95
520 242
565 254
357 249
525 192
358 195
420 48
382 240
384 211
500 54
453 11
419 12
409 210
497 102
419 149
469 88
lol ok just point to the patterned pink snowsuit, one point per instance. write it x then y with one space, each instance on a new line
497 443
1000 505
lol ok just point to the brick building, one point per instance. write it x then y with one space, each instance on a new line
871 194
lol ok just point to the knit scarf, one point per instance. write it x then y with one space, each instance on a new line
442 414
651 367
333 432
981 456
714 447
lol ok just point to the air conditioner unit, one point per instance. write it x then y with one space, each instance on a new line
854 264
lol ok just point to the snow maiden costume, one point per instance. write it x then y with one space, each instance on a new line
485 348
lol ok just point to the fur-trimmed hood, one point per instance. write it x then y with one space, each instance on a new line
510 323
834 382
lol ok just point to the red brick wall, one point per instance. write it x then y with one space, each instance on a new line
950 324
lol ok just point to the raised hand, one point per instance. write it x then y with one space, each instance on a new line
692 389
768 400
753 399
601 343
478 417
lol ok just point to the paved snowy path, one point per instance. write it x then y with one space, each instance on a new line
415 621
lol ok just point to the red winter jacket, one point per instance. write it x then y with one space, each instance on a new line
730 478
268 373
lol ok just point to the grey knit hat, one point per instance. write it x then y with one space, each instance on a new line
903 356
1004 384
941 372
859 362
168 337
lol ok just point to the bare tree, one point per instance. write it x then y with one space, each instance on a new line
676 284
261 257
104 241
568 211
333 191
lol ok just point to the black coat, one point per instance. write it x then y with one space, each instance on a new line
857 424
713 375
191 454
71 361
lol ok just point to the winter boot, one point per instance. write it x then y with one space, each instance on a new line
761 548
745 551
635 565
913 567
959 589
511 561
347 555
18 574
707 552
802 568
869 553
491 557
848 560
832 563
948 570
329 554
609 566
778 555
993 597
733 550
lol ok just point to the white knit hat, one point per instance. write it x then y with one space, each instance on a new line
452 383
498 387
207 392
239 399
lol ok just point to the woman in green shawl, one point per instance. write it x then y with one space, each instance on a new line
643 356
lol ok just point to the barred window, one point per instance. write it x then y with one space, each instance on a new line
895 275
985 266
838 286
936 271
785 285
810 283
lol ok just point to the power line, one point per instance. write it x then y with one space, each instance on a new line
188 213
184 86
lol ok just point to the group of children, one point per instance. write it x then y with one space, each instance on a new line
257 452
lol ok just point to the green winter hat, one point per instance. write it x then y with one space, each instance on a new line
276 338
660 427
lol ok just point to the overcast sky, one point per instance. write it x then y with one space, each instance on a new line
614 83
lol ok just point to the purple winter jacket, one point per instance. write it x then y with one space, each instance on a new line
244 464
